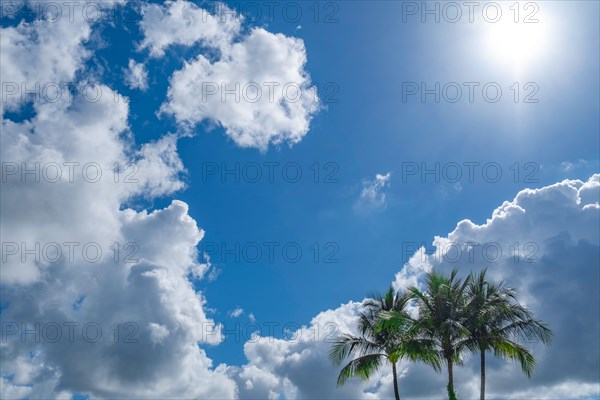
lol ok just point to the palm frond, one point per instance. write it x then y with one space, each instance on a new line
348 345
513 351
361 367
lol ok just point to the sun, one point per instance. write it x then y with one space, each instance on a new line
516 45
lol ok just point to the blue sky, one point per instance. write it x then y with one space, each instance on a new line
354 235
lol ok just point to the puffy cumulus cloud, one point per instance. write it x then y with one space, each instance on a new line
256 88
40 53
544 243
70 165
136 75
257 103
139 281
182 22
415 268
153 352
44 53
95 296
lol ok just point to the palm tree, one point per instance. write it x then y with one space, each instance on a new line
376 345
442 311
495 320
442 317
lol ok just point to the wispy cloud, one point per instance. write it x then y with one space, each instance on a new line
236 312
372 195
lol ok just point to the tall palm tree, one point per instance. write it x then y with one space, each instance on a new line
496 320
376 345
442 316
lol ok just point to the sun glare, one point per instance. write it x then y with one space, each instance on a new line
516 44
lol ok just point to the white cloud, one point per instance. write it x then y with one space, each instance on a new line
8 390
140 280
416 267
41 54
372 195
150 289
158 333
568 166
183 23
256 103
235 313
136 75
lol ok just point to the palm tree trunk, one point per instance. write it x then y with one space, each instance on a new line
396 393
451 394
482 395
